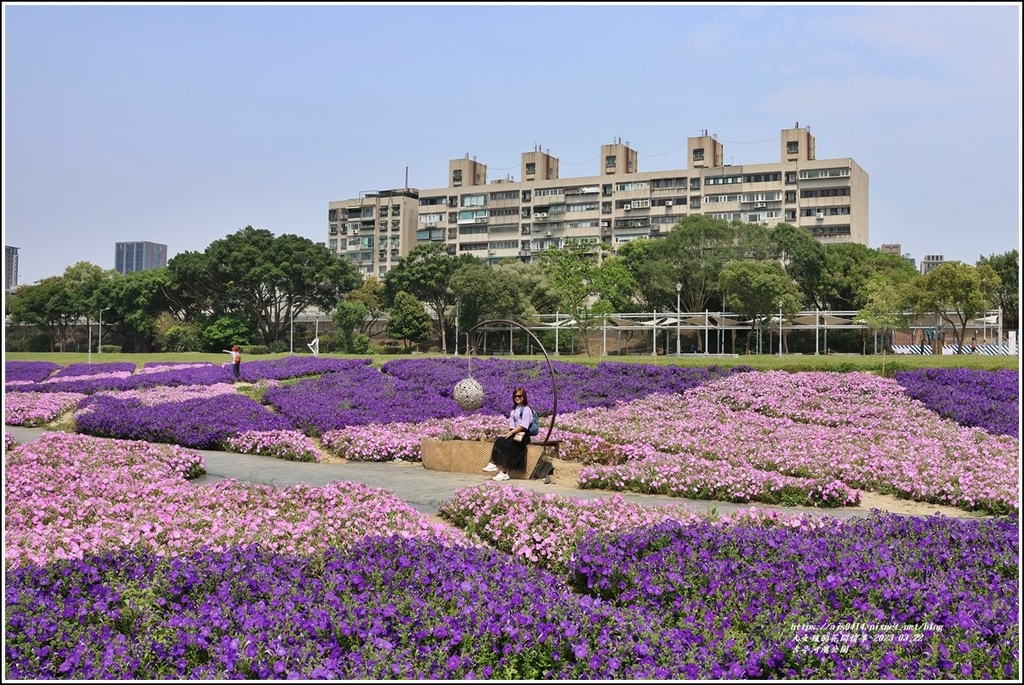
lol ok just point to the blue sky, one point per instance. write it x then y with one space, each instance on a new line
181 124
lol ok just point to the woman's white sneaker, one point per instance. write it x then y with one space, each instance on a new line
501 476
490 467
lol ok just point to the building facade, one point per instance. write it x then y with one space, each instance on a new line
518 219
931 261
10 268
139 256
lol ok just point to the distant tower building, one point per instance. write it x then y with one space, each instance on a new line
139 256
931 261
892 248
10 268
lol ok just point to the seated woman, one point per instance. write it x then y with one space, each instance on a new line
509 451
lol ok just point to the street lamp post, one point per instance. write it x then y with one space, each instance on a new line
679 289
780 328
99 343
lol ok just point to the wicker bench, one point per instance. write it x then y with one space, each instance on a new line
470 456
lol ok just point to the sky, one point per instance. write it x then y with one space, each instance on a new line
184 123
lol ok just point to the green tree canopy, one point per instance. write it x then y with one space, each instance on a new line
407 320
264 279
58 305
1007 295
957 293
426 273
756 290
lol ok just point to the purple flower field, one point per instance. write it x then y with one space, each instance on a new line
807 439
971 398
118 568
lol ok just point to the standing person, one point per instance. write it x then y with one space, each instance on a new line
236 362
509 451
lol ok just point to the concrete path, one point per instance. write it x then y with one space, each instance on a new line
424 490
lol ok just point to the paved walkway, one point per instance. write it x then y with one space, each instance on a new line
424 490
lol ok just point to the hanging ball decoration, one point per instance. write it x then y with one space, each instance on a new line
469 394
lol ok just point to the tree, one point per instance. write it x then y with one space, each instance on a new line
646 268
884 309
426 273
614 285
957 293
485 292
802 257
573 272
755 290
370 294
224 332
697 248
848 267
347 316
135 302
59 304
1007 295
407 320
264 279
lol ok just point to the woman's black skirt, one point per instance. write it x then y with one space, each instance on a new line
509 453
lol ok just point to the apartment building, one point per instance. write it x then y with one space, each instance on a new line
10 268
505 219
139 256
931 261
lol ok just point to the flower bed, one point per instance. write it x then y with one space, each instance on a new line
986 399
811 439
117 568
71 495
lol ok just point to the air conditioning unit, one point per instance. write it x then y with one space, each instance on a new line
481 220
668 203
627 207
547 232
761 205
541 215
819 215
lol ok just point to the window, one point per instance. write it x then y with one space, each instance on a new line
660 183
824 173
793 147
531 168
549 192
457 176
722 180
698 154
609 160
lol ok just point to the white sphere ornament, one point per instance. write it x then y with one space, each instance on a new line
468 394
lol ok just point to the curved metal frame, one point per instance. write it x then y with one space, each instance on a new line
551 368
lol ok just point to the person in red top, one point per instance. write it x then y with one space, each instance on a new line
236 362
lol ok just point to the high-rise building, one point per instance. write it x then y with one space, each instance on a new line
139 256
518 219
10 268
931 261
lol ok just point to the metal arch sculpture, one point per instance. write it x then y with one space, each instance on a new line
551 368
